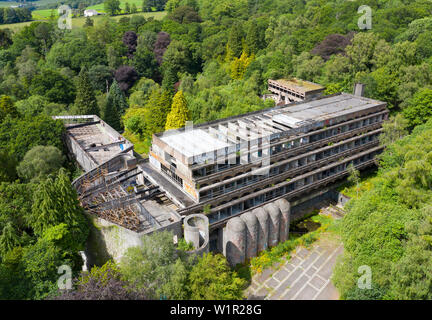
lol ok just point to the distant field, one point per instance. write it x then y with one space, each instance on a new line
38 3
8 4
79 22
43 14
100 7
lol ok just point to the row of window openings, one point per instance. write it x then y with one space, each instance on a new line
285 167
239 207
287 145
286 91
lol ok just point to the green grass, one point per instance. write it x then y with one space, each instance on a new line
100 7
43 14
79 22
5 4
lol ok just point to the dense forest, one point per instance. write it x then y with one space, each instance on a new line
14 15
205 60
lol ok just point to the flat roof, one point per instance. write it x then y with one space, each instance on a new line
299 85
286 119
95 137
193 142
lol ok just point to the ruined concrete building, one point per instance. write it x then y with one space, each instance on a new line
249 174
285 91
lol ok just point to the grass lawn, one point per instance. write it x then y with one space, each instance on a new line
43 14
79 22
5 4
100 7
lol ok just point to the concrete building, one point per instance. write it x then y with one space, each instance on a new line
123 205
229 166
250 175
285 91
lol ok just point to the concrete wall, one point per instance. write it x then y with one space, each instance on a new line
253 231
196 231
110 241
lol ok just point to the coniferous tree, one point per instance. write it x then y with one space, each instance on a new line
88 22
235 40
115 106
158 106
179 113
85 101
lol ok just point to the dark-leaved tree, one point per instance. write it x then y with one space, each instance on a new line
126 77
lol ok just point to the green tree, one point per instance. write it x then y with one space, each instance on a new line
9 238
39 162
156 266
394 129
54 86
112 7
419 109
146 6
235 41
211 278
158 106
7 169
85 101
179 113
54 202
7 106
115 106
88 22
354 176
127 8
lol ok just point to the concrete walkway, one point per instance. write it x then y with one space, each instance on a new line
305 277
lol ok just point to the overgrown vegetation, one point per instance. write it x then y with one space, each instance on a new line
219 55
388 228
160 270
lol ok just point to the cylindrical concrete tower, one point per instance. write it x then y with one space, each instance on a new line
285 209
251 222
274 223
263 228
196 231
235 241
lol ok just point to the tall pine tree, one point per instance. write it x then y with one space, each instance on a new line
85 101
115 106
179 113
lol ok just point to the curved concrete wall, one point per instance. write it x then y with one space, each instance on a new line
251 222
196 231
285 209
263 228
236 241
274 223
254 231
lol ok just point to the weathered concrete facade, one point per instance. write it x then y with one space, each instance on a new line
245 236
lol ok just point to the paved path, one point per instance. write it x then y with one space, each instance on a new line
305 277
